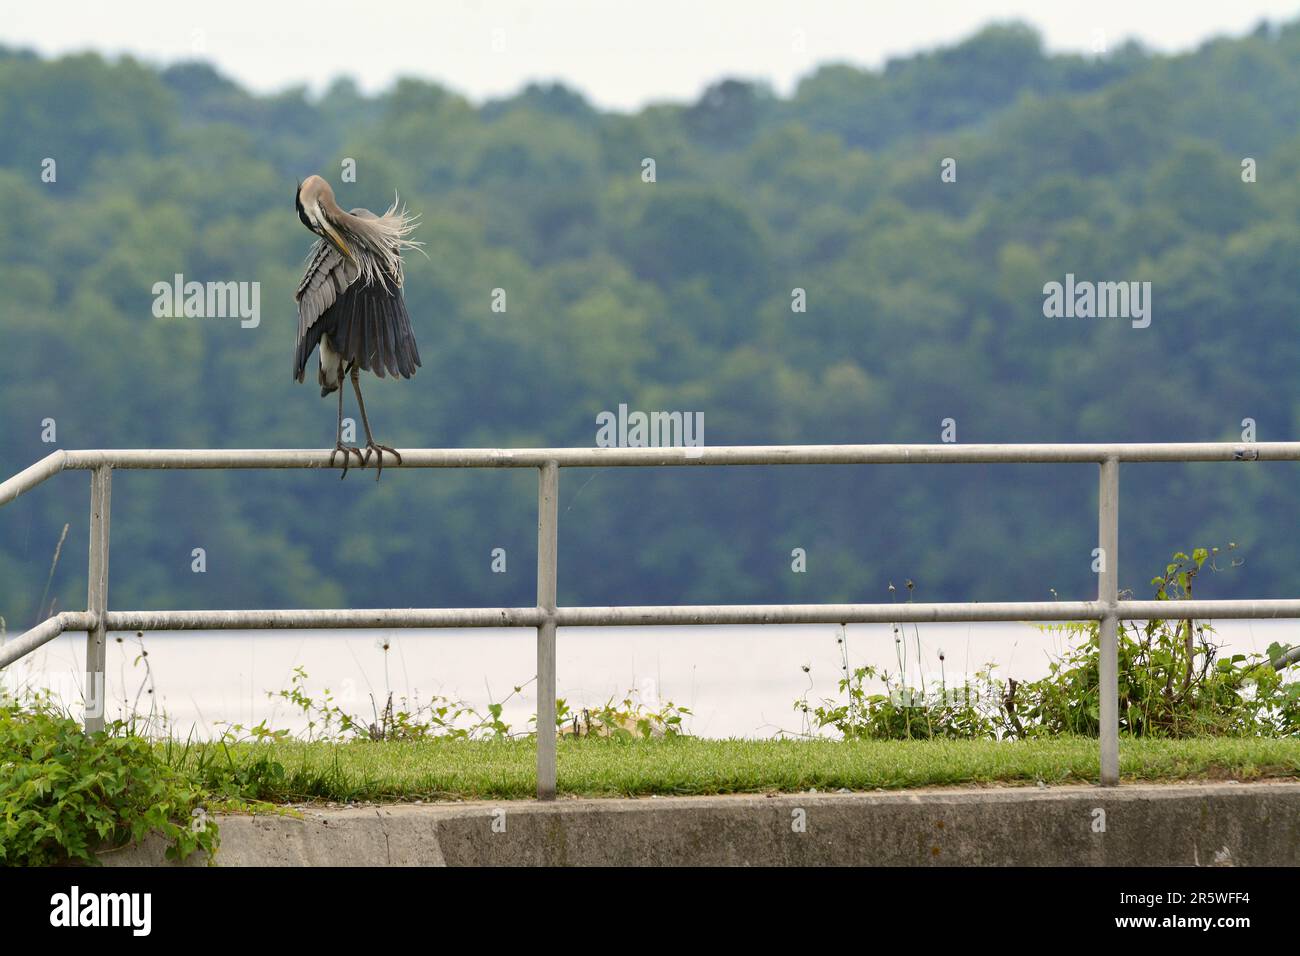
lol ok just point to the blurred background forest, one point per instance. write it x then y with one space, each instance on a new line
924 302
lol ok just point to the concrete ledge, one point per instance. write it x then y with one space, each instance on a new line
1222 824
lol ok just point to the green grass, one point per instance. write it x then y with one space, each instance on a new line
606 768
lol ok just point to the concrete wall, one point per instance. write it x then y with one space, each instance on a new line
1181 824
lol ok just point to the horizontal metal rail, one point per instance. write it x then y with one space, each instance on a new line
43 633
189 458
98 620
648 616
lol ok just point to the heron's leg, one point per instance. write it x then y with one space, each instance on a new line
371 444
338 438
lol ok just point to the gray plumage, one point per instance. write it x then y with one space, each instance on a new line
366 322
350 304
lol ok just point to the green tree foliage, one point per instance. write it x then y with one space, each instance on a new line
924 302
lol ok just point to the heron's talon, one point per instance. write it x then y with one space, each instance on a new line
379 450
346 450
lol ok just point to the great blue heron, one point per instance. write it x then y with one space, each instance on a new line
350 304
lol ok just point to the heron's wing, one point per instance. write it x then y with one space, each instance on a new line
367 322
371 327
327 277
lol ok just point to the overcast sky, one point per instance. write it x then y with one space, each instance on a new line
619 53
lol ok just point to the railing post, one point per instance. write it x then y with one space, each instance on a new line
1108 634
101 485
548 488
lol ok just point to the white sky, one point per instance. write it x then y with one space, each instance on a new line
619 53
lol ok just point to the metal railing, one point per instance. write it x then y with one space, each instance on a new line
97 620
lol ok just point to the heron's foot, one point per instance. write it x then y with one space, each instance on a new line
346 450
378 449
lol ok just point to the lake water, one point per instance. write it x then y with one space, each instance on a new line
737 681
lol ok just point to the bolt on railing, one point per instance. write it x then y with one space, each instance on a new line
97 620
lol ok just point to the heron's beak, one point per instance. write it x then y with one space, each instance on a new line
338 241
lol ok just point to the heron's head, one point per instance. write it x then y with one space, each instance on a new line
321 214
